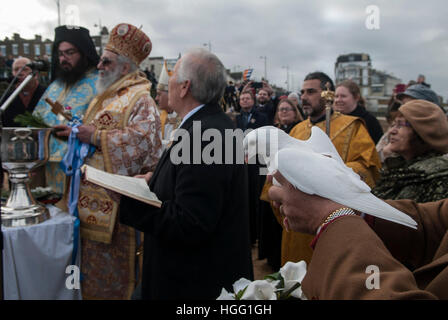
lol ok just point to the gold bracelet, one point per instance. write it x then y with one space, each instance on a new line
336 214
339 212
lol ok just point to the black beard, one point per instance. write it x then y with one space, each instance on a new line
70 77
315 112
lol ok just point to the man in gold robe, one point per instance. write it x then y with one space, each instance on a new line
352 141
124 125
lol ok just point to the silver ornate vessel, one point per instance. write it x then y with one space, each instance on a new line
22 150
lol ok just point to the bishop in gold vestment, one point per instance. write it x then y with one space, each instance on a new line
124 124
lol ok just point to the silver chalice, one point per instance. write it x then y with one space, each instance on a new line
22 150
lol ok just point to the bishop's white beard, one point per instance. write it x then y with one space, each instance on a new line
106 79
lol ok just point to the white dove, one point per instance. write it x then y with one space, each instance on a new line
268 140
314 167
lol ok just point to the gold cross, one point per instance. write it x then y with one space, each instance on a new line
58 109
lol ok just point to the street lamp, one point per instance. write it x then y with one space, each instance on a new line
265 74
101 36
209 45
59 12
287 76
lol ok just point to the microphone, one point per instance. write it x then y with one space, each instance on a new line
39 65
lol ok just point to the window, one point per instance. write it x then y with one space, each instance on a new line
377 88
26 48
37 49
15 49
48 49
3 50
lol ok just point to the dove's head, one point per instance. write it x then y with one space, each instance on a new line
262 141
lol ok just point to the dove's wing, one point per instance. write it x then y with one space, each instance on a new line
314 173
321 143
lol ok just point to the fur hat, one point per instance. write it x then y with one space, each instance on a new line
126 40
429 121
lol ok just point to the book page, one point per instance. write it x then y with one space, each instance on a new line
136 188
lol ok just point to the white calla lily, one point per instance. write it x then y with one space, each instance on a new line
225 295
292 274
260 290
240 285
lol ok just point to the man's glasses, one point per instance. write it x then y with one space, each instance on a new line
67 53
400 124
105 61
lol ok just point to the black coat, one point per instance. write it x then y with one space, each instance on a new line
256 181
17 107
198 241
372 124
257 120
269 109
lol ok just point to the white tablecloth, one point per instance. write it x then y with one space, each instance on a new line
35 259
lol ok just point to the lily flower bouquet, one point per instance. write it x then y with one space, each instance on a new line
282 285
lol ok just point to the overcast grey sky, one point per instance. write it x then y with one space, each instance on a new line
305 35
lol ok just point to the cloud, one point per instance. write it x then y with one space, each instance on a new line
304 35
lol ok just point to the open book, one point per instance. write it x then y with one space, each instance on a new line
135 188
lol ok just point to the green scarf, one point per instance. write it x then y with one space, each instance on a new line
422 179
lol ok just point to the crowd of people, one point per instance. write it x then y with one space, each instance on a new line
201 238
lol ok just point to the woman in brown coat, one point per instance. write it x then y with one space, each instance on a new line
354 259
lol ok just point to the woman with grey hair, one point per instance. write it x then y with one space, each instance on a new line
294 97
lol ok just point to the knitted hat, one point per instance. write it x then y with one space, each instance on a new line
126 40
429 121
420 91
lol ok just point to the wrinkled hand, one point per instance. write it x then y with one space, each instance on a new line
387 152
62 130
248 86
146 176
85 133
302 212
267 87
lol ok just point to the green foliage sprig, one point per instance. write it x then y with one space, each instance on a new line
27 119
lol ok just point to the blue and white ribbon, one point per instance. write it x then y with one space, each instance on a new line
71 164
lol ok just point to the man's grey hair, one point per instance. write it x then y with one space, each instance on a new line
293 95
28 60
206 74
122 60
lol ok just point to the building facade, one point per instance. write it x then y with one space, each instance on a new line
376 86
35 49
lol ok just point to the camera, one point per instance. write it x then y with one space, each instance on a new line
257 85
